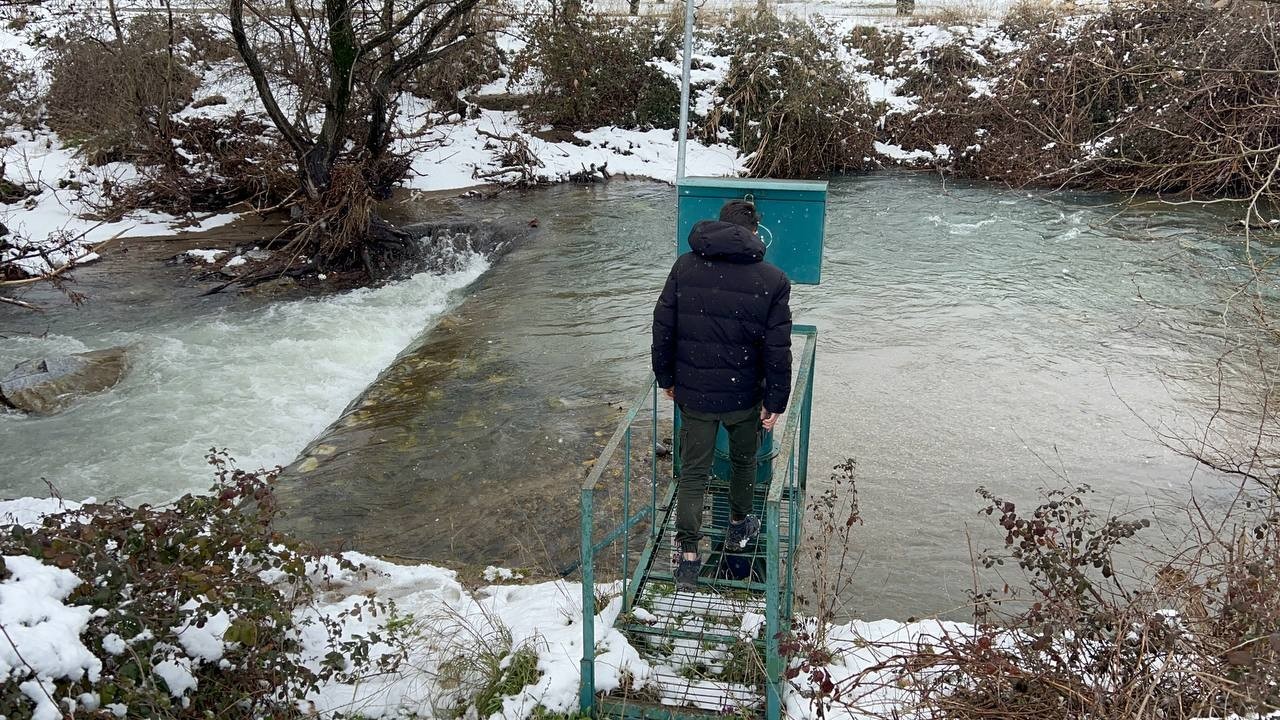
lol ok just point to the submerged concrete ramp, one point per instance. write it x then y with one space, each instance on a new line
470 447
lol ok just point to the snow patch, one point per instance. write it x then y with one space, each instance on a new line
30 512
205 256
177 675
43 633
494 573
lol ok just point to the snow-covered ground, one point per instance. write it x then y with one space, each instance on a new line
458 152
55 212
547 618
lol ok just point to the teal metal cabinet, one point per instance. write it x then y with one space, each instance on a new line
794 214
793 223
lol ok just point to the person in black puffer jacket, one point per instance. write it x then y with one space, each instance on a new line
722 351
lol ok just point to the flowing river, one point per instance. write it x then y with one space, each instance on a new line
970 336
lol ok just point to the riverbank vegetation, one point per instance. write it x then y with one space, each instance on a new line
199 608
1177 98
201 116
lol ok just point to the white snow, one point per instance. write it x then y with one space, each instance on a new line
896 152
29 512
545 617
493 573
114 644
206 256
464 157
203 641
43 635
42 161
176 673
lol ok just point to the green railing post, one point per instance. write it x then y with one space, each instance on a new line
587 683
795 511
653 488
626 517
773 658
806 415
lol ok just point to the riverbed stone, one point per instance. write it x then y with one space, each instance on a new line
48 385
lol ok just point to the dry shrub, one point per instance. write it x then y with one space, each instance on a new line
789 102
941 69
951 15
156 572
950 111
19 91
590 71
1169 97
1202 85
882 47
220 162
1028 18
1196 636
341 228
112 98
463 68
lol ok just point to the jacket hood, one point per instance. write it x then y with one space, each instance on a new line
714 239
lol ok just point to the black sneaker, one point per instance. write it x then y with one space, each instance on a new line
687 573
740 534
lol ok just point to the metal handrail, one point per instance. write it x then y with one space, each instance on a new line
789 472
589 548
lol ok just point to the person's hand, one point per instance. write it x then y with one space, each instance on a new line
670 392
769 419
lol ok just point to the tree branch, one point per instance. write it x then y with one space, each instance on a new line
424 52
397 27
291 133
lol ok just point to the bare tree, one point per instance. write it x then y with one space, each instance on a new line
361 55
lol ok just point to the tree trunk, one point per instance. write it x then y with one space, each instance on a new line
115 22
315 171
380 93
171 152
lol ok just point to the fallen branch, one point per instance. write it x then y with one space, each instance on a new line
70 263
20 303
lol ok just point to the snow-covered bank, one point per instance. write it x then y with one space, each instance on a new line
59 216
465 152
420 613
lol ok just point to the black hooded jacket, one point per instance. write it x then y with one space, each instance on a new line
722 326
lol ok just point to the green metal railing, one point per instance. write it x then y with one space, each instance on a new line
786 500
783 515
623 437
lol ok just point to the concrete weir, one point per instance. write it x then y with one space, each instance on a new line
464 447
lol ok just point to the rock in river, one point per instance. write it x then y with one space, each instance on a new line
48 385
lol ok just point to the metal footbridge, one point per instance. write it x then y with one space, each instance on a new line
716 650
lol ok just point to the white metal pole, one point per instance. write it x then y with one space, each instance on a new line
684 88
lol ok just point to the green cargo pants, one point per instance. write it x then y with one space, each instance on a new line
697 451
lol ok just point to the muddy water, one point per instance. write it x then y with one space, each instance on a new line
969 336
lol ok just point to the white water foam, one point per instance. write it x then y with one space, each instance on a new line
261 384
